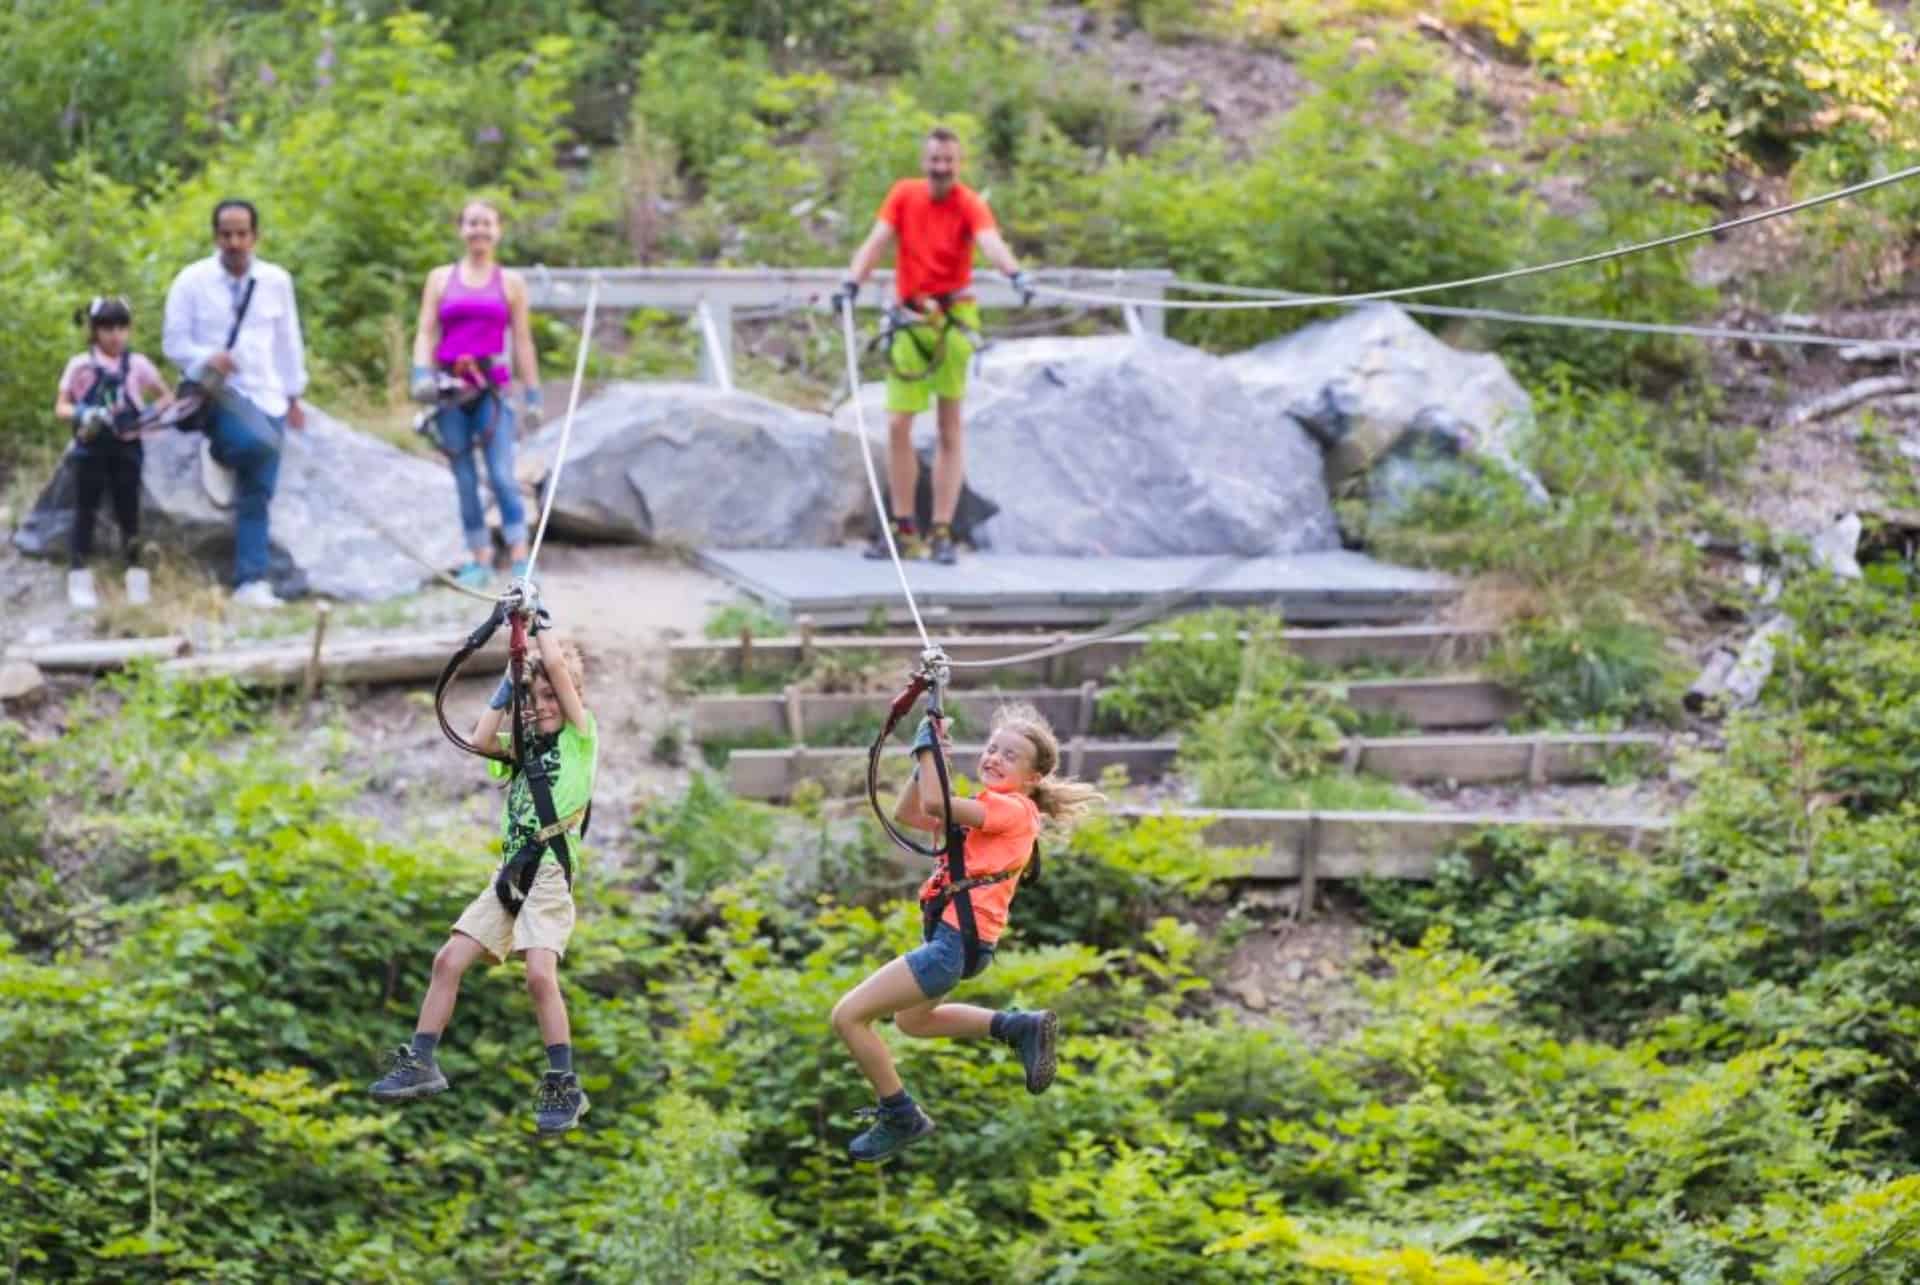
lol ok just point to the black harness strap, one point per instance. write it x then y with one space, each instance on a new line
905 319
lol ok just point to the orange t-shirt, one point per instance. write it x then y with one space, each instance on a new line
935 254
1003 841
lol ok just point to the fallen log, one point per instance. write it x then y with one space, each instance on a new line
1861 390
361 662
1711 683
93 655
1749 673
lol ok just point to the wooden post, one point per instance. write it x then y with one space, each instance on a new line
1350 756
744 661
1537 762
805 623
1309 868
1083 720
310 681
796 722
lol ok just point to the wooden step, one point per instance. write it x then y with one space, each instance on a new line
1307 846
1467 760
1465 701
1403 644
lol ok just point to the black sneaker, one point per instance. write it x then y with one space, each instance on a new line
1034 1039
892 1131
560 1103
410 1076
940 549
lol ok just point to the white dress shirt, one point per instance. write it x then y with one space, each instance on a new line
269 360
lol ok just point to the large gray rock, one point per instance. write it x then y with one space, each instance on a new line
1394 408
690 464
333 480
1131 447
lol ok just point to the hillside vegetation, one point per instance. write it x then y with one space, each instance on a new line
1569 1063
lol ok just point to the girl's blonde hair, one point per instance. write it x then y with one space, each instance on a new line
1061 800
571 658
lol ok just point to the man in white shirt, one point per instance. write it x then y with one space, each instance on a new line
260 378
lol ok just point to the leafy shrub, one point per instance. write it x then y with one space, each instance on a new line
1112 878
705 839
1600 667
1274 731
1190 665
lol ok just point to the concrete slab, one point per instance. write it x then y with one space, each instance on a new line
839 586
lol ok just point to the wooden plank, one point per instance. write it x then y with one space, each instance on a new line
91 656
370 661
1413 644
1429 702
770 774
1392 845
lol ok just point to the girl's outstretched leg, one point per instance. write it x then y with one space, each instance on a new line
890 989
1031 1035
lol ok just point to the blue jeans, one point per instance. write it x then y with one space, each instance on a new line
461 430
940 965
247 440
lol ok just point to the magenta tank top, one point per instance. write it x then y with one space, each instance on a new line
473 322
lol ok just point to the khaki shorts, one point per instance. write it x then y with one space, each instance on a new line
545 921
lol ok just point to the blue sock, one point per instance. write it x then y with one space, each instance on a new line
560 1057
424 1045
1007 1027
899 1104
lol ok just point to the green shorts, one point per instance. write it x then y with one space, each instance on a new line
911 386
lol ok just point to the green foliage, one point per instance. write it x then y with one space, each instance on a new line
706 839
737 618
1109 882
1596 668
1190 665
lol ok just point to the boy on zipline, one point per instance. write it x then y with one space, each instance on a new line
1017 788
528 908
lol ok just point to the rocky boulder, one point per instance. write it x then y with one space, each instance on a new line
1131 447
691 464
332 480
1394 408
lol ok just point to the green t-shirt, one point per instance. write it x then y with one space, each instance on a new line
571 757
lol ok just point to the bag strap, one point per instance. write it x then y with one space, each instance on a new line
246 299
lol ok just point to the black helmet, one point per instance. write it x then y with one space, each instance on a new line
103 311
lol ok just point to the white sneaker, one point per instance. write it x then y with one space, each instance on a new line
216 479
80 594
139 586
257 593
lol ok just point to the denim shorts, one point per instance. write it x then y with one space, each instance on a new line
940 965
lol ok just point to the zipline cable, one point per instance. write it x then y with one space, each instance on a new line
1576 323
1511 274
851 343
566 429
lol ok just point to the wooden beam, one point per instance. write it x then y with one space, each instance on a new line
1412 644
772 774
1392 845
369 661
94 655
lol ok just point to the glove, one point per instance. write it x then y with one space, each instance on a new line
503 694
926 736
422 386
530 415
1023 285
844 297
542 621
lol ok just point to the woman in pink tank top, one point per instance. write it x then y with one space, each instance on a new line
467 314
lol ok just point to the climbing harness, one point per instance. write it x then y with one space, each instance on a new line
951 884
108 393
455 386
911 319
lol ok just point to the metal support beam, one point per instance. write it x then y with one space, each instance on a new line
716 343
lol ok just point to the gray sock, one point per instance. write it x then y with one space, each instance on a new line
424 1045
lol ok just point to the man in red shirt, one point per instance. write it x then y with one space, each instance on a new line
936 220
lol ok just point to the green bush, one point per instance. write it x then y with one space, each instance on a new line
1189 666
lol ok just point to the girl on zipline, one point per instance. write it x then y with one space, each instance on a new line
527 909
1017 788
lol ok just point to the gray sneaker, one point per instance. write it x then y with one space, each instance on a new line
408 1077
892 1131
1035 1040
560 1103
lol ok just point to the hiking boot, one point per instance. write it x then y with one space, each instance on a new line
473 576
410 1076
909 543
560 1103
891 1131
1033 1038
80 594
139 586
940 549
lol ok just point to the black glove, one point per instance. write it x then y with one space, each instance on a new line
843 298
1023 286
